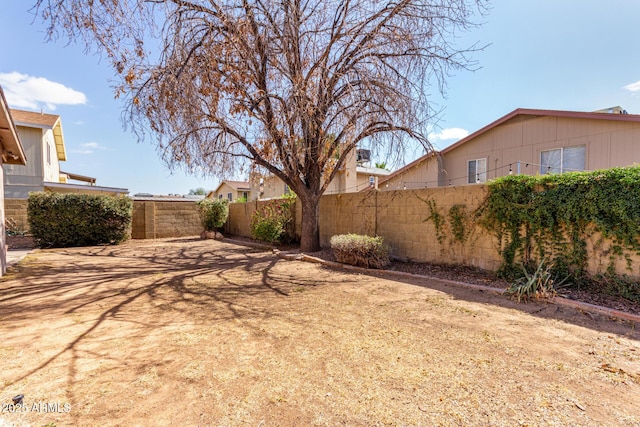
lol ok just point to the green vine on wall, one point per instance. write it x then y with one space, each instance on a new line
437 218
553 216
458 221
455 224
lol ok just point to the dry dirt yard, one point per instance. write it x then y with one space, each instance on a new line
196 333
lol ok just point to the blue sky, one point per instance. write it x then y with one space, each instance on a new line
580 55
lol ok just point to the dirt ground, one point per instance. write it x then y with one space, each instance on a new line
196 333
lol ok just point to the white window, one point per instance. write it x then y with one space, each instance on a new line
48 153
560 160
477 171
230 197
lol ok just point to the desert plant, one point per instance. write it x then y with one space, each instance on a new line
63 220
213 213
360 250
540 284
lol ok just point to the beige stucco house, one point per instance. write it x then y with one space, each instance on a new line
12 154
232 191
528 141
43 141
356 175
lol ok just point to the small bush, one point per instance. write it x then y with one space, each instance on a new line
213 213
64 220
363 251
273 221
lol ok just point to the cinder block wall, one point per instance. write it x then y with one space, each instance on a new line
16 209
151 219
239 222
156 220
401 217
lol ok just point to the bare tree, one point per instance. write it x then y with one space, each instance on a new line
290 86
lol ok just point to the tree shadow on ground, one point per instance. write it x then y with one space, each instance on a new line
83 289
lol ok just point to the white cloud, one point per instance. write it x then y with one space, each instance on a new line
633 87
448 134
89 148
23 91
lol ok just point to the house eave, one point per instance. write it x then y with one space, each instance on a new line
12 152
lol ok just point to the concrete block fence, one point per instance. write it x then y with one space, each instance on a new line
401 217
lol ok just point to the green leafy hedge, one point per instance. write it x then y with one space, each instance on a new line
213 213
552 217
63 220
360 250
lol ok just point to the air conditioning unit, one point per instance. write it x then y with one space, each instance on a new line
363 155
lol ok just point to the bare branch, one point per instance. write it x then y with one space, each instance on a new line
288 85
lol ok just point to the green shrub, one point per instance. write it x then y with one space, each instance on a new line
213 213
363 251
273 221
553 216
63 220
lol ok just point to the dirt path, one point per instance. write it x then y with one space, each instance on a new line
197 333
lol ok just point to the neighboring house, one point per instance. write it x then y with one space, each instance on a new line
531 142
232 191
43 141
356 175
12 154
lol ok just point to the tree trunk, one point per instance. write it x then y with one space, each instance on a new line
310 239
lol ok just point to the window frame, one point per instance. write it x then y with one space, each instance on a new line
545 169
49 153
480 177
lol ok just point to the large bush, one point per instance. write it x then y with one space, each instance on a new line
363 251
63 220
273 221
213 213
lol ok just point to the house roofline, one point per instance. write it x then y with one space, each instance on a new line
409 166
246 186
515 113
55 127
543 113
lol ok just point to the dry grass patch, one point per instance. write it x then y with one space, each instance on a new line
208 333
